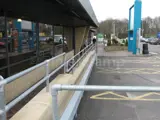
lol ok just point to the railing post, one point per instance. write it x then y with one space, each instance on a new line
73 61
72 70
47 75
64 61
72 64
2 102
55 105
83 53
96 47
66 68
78 58
84 50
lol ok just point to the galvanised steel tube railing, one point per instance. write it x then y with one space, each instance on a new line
12 78
2 101
56 88
5 108
85 50
42 53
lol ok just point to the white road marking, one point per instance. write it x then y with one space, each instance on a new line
153 53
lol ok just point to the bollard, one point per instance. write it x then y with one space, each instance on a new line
145 49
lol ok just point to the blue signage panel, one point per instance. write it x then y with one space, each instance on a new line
158 35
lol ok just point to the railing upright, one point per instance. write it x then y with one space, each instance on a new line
47 75
2 101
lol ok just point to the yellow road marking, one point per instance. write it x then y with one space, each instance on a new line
130 70
128 99
156 65
154 69
136 61
109 93
120 72
156 72
109 70
147 94
124 98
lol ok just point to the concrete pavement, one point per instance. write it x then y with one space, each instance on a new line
122 70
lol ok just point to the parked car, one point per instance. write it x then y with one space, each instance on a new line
43 38
149 40
58 39
155 41
142 39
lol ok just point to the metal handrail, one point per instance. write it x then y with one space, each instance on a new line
12 78
25 60
16 63
5 108
77 61
2 101
89 47
58 87
80 52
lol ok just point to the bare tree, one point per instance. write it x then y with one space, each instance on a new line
150 26
107 27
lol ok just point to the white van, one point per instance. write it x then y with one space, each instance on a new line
59 39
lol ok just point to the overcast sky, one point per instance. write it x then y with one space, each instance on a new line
119 8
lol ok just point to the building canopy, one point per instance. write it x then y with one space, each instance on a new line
55 12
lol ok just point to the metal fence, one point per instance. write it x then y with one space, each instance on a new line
5 108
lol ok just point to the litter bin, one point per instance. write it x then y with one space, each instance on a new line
145 49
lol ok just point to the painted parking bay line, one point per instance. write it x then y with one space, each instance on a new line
153 53
129 70
118 97
156 65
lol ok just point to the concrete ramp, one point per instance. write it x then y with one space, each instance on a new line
40 107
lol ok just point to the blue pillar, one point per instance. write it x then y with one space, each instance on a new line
19 28
131 41
137 23
132 33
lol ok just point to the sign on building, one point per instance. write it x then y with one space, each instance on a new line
26 25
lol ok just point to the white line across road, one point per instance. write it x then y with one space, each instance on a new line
153 53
